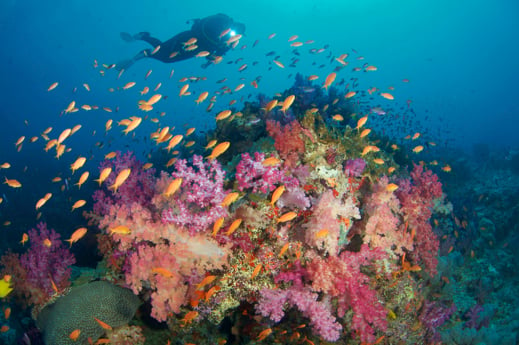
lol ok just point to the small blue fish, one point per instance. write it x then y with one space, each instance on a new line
378 111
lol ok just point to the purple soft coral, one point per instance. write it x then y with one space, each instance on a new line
354 167
139 187
47 260
322 321
198 203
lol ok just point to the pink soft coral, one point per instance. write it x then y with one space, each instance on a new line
383 226
341 277
332 214
165 267
168 290
252 174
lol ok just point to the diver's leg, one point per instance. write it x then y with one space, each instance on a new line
145 36
125 64
141 36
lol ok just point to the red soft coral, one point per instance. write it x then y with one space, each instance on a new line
416 199
288 140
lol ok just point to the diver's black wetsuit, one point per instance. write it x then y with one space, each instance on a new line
207 32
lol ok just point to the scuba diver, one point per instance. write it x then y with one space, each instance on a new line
209 34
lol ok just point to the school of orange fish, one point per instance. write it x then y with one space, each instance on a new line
170 140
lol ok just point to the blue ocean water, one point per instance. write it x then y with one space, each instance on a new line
459 57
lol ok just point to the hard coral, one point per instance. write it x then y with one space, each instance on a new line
78 309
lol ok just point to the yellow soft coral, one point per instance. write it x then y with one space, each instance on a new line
5 287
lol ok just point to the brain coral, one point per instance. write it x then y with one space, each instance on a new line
109 303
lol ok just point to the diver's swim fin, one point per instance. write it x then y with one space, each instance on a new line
131 38
124 64
127 37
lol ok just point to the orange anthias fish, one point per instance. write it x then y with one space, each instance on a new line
206 281
103 175
418 149
223 115
43 200
154 99
190 131
12 183
365 132
217 225
322 233
174 141
234 226
202 97
78 204
173 187
265 333
256 271
391 187
211 144
25 238
387 95
271 105
120 230
53 86
219 149
287 103
350 94
134 123
447 168
129 85
104 325
287 217
362 121
189 317
77 235
7 313
119 180
75 334
329 80
277 194
163 272
211 292
230 198
271 161
82 179
111 155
